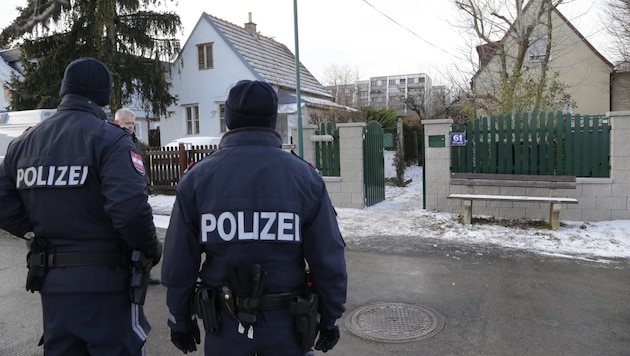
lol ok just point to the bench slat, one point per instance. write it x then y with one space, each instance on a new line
513 180
513 183
493 176
513 198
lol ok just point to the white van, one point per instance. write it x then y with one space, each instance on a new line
14 123
195 141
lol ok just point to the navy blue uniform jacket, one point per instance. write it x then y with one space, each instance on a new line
249 203
71 179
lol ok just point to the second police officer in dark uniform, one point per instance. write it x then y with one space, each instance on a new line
77 183
257 213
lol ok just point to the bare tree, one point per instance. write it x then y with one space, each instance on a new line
443 103
513 37
419 103
343 79
619 13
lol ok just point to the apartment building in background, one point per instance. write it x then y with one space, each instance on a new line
385 92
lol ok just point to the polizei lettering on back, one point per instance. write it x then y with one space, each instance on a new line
250 226
51 176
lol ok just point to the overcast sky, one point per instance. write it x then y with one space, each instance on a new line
375 37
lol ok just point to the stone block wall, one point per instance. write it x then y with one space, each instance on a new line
599 199
347 190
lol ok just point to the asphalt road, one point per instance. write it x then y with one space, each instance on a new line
494 301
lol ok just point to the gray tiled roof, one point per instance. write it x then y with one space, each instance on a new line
272 60
11 55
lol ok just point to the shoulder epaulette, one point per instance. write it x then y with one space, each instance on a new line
305 161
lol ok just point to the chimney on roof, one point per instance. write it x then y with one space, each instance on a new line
250 26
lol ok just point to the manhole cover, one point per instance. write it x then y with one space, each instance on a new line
395 322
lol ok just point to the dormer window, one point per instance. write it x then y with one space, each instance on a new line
204 51
537 50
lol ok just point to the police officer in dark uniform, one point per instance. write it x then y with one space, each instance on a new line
126 119
260 215
76 183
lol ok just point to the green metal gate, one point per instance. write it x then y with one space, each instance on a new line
373 163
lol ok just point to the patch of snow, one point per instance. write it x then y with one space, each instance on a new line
401 215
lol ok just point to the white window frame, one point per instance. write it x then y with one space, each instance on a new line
205 56
191 113
222 125
537 50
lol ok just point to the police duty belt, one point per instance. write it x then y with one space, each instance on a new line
69 259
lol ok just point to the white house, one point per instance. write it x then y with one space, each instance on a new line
216 56
5 77
10 64
584 70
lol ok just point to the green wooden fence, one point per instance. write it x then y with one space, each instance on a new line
533 143
327 152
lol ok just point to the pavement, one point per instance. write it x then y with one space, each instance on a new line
494 301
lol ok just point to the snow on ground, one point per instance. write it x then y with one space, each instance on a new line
401 215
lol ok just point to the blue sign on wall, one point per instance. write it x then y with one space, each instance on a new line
458 139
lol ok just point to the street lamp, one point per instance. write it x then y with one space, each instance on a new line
297 81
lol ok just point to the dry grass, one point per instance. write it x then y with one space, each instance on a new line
513 223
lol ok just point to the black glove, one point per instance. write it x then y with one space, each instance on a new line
157 255
327 339
188 341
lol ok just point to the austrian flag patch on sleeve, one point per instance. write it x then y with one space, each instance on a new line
136 159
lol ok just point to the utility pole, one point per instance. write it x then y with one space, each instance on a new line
297 82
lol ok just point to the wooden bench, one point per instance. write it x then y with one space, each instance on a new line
514 180
554 208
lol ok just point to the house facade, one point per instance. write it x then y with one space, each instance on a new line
10 64
216 56
585 71
620 88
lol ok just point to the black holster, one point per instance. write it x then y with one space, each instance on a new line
205 306
304 311
37 264
140 271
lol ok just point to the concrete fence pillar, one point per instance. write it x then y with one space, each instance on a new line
347 190
620 164
308 148
437 162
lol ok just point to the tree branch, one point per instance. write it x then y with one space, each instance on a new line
39 18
